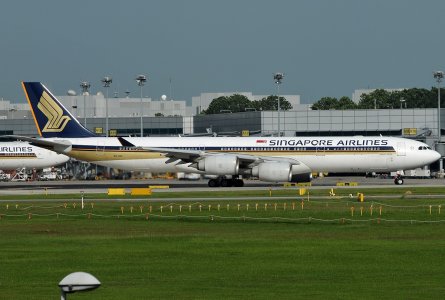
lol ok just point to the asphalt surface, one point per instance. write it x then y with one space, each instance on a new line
59 187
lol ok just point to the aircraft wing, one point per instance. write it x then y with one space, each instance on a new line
193 156
59 146
185 156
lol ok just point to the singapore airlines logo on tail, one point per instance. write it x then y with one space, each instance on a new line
56 120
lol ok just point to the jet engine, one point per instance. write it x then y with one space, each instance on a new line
282 172
219 165
301 173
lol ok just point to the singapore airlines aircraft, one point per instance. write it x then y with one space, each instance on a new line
274 159
14 155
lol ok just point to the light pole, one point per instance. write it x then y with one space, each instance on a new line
106 82
12 110
85 86
141 79
278 77
438 75
401 115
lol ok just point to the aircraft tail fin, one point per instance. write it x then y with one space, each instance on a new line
51 117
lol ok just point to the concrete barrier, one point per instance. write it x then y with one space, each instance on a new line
116 192
347 183
291 184
141 191
159 186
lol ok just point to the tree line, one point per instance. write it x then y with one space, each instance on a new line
379 99
239 103
382 99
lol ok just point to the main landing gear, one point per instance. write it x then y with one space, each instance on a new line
225 182
398 180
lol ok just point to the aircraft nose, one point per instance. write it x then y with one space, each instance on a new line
436 155
62 159
432 157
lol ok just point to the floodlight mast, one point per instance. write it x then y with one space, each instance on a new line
141 79
106 83
85 86
278 78
401 115
438 75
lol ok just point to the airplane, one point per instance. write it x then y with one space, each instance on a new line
227 159
18 155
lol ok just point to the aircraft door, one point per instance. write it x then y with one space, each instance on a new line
100 148
39 152
401 149
321 150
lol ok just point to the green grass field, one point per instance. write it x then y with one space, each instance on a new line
237 252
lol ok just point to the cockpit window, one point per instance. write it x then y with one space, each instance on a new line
424 148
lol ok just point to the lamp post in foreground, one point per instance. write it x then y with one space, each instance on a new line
77 282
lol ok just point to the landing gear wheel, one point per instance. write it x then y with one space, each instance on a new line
398 180
238 182
226 182
213 183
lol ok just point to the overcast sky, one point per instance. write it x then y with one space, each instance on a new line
324 47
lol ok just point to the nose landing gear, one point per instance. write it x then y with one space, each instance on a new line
398 180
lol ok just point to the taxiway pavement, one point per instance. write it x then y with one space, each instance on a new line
73 187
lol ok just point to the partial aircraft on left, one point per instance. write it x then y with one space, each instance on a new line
14 155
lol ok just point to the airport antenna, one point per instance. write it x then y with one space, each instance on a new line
85 85
107 80
278 78
141 79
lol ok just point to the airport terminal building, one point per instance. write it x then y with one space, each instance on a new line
172 117
418 123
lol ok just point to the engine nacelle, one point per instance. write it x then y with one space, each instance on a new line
282 172
301 173
219 165
273 171
304 177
